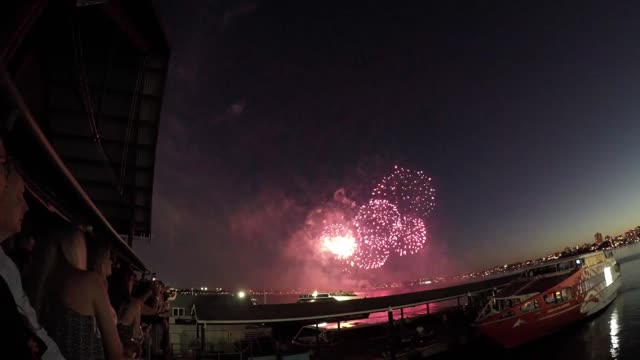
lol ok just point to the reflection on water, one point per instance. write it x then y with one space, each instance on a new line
613 332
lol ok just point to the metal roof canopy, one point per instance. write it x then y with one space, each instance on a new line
47 176
336 310
105 87
89 80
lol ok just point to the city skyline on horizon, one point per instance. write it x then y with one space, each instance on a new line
435 276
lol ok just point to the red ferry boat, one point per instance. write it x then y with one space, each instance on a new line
549 297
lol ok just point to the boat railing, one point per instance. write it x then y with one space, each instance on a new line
498 304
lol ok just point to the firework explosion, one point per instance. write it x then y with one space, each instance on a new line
339 241
413 236
409 190
393 221
378 226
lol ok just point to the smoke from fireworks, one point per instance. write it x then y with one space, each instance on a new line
338 240
378 226
409 190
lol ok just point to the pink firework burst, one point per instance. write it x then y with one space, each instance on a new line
409 190
339 241
378 226
413 236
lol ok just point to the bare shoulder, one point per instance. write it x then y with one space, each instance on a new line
80 289
88 281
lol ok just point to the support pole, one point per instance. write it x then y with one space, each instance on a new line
203 344
391 337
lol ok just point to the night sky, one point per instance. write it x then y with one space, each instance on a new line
527 118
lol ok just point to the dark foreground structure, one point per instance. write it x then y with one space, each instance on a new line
83 84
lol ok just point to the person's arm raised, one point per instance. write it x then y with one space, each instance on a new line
104 317
136 319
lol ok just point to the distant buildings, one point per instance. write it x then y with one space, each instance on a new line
598 238
629 235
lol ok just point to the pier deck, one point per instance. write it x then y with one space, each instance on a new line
328 311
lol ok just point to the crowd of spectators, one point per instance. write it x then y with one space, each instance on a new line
61 295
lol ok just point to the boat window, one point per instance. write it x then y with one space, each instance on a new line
558 296
497 305
565 265
507 303
545 270
530 306
550 298
616 267
501 304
